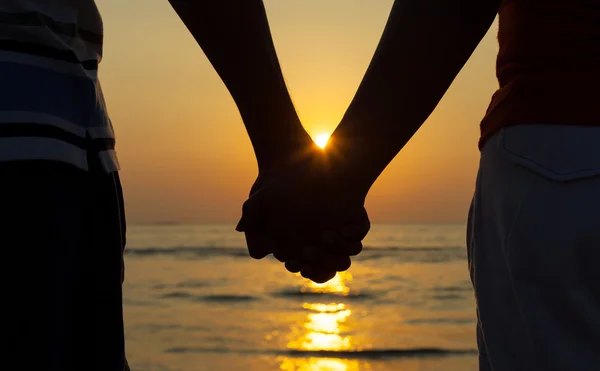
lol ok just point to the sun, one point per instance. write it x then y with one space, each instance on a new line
322 140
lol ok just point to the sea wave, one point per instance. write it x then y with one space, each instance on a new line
407 254
439 321
190 251
380 353
223 298
404 253
340 354
303 293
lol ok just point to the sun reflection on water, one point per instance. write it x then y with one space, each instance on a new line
336 285
320 364
325 328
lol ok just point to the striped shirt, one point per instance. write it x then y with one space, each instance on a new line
51 102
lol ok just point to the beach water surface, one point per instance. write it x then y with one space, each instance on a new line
195 301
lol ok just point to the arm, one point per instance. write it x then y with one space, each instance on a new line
235 36
424 46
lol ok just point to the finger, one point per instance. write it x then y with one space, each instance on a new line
306 271
258 244
288 253
332 263
293 266
342 248
242 224
287 247
315 275
281 255
324 278
251 212
343 264
352 249
315 256
356 231
327 262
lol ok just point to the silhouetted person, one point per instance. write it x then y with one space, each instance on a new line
61 207
534 224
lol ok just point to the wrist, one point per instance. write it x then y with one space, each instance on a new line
281 154
278 138
347 167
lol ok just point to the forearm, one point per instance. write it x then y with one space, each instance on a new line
235 36
424 46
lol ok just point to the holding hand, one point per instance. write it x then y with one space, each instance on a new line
307 217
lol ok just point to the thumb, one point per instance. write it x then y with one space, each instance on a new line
259 245
251 212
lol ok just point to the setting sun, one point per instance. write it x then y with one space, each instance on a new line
322 140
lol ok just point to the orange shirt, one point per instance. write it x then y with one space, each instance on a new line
548 66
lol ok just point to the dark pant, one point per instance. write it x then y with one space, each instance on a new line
62 235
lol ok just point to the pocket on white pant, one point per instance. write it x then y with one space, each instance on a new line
560 153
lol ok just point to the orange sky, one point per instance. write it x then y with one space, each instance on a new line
184 152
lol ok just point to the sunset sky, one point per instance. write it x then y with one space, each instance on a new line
184 151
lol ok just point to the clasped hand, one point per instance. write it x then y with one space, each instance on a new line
307 216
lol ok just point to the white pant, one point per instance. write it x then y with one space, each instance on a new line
534 249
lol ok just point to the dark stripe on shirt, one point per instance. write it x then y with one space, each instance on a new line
39 19
48 131
48 52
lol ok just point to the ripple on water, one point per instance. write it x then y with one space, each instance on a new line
439 321
187 284
340 354
227 298
448 297
302 293
145 367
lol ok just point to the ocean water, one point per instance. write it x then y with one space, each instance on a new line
195 301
